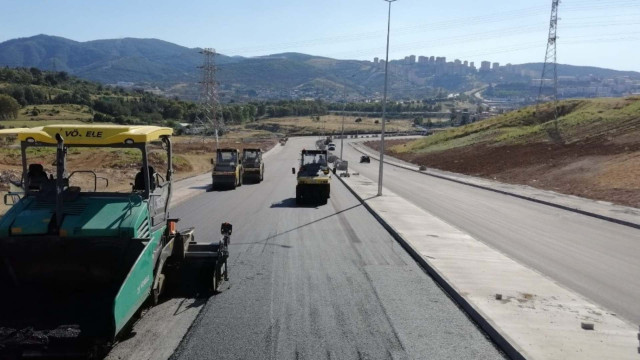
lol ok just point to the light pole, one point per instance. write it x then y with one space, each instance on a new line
343 110
384 100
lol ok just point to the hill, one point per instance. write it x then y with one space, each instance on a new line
107 61
593 151
45 96
571 70
31 97
151 62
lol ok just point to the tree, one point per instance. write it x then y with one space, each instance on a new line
8 107
428 123
174 111
453 114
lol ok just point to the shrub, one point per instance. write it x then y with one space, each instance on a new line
8 107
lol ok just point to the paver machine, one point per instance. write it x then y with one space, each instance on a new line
227 169
314 178
77 265
252 165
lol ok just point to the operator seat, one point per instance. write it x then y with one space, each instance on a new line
36 176
138 184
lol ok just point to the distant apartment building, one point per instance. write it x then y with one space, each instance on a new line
496 66
423 59
441 60
454 67
465 63
375 60
485 66
412 59
432 60
450 68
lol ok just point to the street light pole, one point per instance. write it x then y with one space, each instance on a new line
343 110
384 100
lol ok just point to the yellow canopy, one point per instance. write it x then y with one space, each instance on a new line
90 134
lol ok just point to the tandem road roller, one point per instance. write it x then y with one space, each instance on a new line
227 169
314 178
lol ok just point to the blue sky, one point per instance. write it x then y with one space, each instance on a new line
603 33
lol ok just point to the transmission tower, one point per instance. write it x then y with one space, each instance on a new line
209 104
550 66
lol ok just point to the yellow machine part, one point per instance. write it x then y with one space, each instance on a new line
90 134
323 180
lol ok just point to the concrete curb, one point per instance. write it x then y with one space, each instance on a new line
512 350
503 192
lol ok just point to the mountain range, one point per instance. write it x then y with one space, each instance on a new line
174 69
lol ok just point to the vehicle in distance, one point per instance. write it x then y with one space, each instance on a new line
252 165
79 262
365 159
314 178
227 169
332 147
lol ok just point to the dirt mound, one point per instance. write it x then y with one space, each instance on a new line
6 176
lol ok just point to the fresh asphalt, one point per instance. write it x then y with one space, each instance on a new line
323 282
596 258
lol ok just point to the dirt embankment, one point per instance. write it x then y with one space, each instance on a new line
600 168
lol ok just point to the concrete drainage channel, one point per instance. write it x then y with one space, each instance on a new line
485 324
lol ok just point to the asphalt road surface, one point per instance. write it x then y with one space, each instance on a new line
596 258
323 282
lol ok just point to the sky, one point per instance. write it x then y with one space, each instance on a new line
603 33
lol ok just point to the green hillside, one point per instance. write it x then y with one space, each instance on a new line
32 97
579 121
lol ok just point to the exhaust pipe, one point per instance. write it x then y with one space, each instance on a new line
60 167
